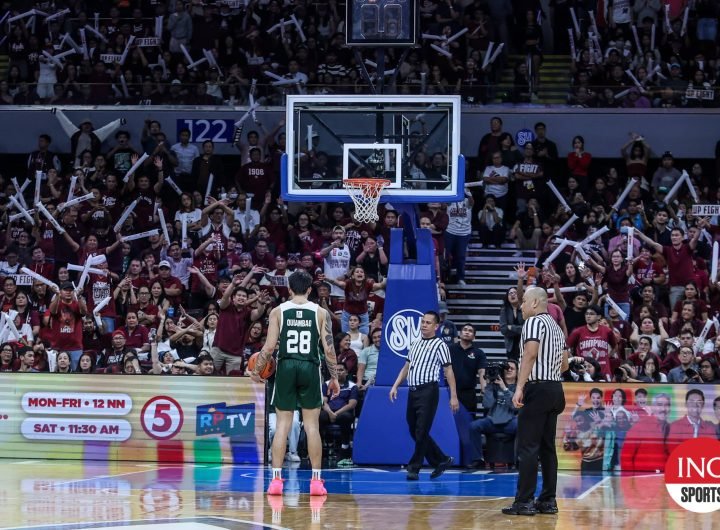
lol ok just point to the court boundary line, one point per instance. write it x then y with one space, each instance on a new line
593 488
185 519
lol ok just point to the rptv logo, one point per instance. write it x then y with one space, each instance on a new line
402 330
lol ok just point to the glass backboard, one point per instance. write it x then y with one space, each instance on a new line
412 141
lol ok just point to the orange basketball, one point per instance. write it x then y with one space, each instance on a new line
269 367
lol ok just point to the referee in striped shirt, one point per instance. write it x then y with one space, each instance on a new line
540 398
422 369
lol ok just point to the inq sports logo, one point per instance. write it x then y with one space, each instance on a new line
402 330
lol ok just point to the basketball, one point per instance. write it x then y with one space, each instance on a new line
269 367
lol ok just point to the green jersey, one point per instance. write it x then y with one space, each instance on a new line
300 332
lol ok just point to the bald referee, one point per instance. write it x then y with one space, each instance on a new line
422 369
540 398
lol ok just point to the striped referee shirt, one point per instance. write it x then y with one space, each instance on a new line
426 356
544 330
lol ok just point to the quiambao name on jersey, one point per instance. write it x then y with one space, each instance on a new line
299 322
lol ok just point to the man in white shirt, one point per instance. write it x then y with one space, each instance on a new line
337 259
495 179
245 215
185 153
457 233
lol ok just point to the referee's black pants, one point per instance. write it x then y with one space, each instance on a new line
421 408
537 422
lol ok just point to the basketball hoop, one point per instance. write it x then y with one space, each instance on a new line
365 193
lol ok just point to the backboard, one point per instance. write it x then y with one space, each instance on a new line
413 141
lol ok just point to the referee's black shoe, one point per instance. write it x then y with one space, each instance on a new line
442 467
520 508
546 507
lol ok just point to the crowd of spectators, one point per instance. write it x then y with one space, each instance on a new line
643 54
637 301
218 52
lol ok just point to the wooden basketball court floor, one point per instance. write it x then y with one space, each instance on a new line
44 494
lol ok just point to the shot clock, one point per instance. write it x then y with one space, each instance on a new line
381 22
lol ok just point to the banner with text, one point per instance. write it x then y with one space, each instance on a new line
146 418
632 427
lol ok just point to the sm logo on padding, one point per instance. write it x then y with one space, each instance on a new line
402 329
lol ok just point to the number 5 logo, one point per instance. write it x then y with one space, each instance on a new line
161 418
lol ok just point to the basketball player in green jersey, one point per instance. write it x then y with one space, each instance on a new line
302 328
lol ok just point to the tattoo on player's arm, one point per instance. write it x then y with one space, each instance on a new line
330 358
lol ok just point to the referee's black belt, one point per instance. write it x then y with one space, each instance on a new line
539 381
424 385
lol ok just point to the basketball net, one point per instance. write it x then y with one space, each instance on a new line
365 193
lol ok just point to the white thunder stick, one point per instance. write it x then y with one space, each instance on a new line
299 27
141 235
71 191
622 94
208 189
78 200
131 39
575 21
458 35
22 210
96 311
557 193
38 184
691 188
593 23
251 110
683 30
163 224
668 26
555 254
125 215
571 289
714 268
703 334
59 14
91 270
567 225
488 53
16 216
496 53
594 236
186 54
616 307
676 187
97 33
632 76
101 305
158 26
18 192
174 186
573 51
279 81
441 50
625 193
35 276
136 165
123 84
637 38
309 137
39 206
96 21
630 242
183 233
652 37
84 276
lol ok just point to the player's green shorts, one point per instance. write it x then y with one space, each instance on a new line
297 384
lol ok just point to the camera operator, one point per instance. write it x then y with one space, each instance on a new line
688 371
501 414
625 373
581 370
